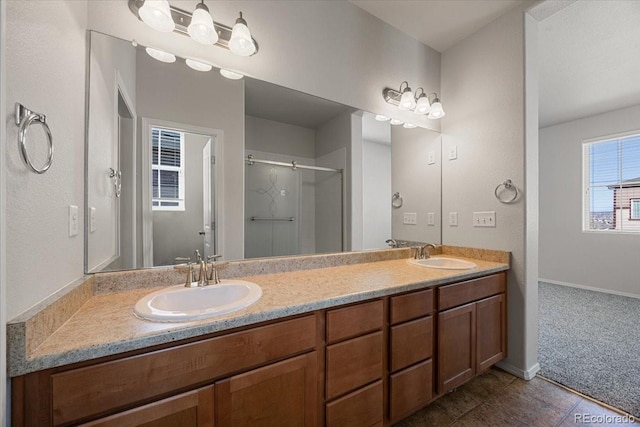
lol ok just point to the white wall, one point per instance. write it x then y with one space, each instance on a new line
483 85
42 258
108 57
376 194
605 261
281 138
207 100
418 182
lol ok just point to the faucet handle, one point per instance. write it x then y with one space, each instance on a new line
213 257
186 268
198 256
417 252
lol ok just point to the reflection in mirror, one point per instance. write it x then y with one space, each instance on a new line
154 172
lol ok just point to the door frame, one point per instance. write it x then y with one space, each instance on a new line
217 137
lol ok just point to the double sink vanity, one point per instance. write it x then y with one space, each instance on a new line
339 340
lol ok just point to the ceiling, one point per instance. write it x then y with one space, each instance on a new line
589 60
437 23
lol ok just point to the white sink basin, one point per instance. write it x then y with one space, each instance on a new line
443 263
179 304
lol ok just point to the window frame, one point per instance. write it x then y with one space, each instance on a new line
634 201
181 207
586 187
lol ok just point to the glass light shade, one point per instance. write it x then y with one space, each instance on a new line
381 118
396 122
230 74
157 15
409 126
161 55
201 28
436 110
422 106
407 101
241 43
197 65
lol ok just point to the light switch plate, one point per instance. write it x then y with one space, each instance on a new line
453 152
410 218
453 219
431 157
73 220
431 218
92 219
484 219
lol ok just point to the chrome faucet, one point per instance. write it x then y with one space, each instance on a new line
422 252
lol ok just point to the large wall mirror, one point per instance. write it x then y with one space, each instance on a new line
317 176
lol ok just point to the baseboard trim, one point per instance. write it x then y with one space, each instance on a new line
529 374
590 288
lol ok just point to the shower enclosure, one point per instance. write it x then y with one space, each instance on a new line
292 208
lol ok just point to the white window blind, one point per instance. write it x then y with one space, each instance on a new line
611 201
167 169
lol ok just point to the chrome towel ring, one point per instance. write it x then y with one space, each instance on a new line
505 187
396 200
24 119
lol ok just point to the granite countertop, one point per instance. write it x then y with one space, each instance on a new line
105 324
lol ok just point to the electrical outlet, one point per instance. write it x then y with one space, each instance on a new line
453 152
453 219
73 220
431 157
92 219
484 219
431 218
410 218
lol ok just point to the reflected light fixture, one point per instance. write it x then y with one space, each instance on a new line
161 55
230 74
381 118
241 42
157 15
409 125
396 122
198 65
420 103
201 28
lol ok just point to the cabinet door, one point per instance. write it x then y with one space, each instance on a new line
281 394
192 409
456 346
491 330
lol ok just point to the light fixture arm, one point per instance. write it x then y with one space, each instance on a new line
421 95
182 20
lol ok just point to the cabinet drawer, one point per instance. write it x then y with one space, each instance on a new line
471 290
353 321
107 386
353 363
411 342
411 306
363 407
410 389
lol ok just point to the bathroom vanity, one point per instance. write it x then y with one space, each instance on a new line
382 340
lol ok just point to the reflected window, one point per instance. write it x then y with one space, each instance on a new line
167 168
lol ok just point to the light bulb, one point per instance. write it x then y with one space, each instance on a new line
231 74
436 110
197 65
157 15
422 106
241 42
407 101
409 126
201 28
396 122
161 55
381 118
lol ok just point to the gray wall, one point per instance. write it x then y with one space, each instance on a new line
483 85
567 254
376 194
175 233
279 138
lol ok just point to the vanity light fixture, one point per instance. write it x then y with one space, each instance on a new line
201 28
157 15
396 122
161 55
198 65
230 74
241 42
381 118
199 25
420 103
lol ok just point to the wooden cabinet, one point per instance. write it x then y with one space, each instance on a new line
471 336
280 394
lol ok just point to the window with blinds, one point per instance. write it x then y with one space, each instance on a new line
167 168
611 201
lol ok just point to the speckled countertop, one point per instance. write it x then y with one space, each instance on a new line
105 325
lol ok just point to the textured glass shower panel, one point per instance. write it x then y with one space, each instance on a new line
272 197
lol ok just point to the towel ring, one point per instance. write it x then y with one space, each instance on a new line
507 185
24 119
396 200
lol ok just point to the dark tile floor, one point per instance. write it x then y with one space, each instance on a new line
497 399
